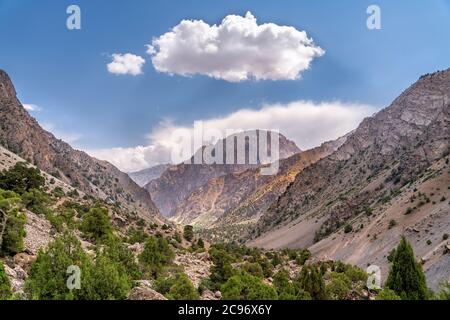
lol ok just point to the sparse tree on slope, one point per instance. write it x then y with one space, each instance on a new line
406 277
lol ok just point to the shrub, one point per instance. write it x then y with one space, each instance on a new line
118 253
221 270
36 201
253 269
12 223
47 279
406 277
392 224
348 228
200 243
58 192
156 255
304 256
286 289
182 289
105 280
96 225
21 178
247 287
5 285
311 281
188 233
339 286
387 294
137 236
445 236
445 292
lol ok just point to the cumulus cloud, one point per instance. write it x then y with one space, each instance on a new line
236 50
32 107
308 124
126 64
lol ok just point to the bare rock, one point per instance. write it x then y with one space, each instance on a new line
38 232
144 292
208 295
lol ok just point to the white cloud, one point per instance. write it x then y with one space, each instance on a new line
236 50
126 64
32 107
308 124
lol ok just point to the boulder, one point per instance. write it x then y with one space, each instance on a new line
144 292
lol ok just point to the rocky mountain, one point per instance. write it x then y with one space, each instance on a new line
179 181
390 177
144 177
21 134
239 198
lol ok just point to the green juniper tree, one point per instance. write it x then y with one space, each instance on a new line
406 277
5 285
311 281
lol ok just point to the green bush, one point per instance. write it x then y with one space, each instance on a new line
36 201
348 228
12 223
221 270
118 253
5 285
406 277
387 294
247 287
253 269
303 256
445 292
110 277
188 233
58 192
21 178
47 279
176 287
286 289
96 225
137 236
105 280
339 286
311 281
156 255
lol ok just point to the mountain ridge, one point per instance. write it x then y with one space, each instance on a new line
22 134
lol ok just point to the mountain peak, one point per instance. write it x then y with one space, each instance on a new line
6 87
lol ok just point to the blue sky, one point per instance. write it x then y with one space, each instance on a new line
64 72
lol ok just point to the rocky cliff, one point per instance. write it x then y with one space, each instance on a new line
21 134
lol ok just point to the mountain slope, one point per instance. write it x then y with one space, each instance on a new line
179 181
144 177
239 198
21 134
353 205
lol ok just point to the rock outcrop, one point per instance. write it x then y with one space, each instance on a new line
21 134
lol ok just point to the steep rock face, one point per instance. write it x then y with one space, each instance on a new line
179 181
239 198
144 177
404 139
21 134
390 177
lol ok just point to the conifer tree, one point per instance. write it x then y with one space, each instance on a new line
406 277
311 281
